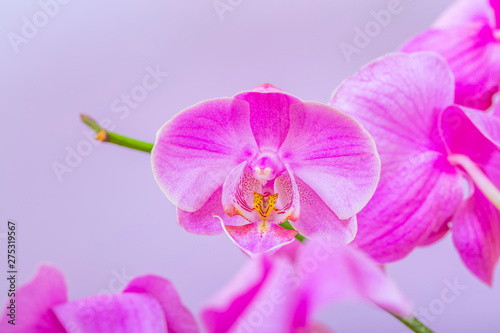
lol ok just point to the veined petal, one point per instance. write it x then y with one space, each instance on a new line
238 193
476 234
34 302
473 55
196 150
257 238
399 99
334 155
269 116
317 219
288 197
120 313
344 273
467 12
414 198
205 221
179 318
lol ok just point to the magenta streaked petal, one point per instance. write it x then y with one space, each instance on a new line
398 99
196 150
120 313
34 301
473 55
288 197
343 273
316 218
238 193
476 234
269 116
257 238
467 12
179 319
334 155
413 200
205 221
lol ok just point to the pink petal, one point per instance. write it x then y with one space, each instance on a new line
467 12
120 313
399 100
316 218
205 221
34 302
414 199
473 55
332 154
179 318
476 234
195 151
336 273
256 299
288 197
269 116
258 238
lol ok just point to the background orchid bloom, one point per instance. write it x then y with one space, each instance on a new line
281 293
468 36
263 157
405 101
148 304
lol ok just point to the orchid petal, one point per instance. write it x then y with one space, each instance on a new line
316 218
334 155
473 55
34 301
288 197
205 221
344 273
179 318
120 313
269 116
258 238
466 12
256 288
196 150
399 99
476 234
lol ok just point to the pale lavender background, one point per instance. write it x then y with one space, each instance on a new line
108 214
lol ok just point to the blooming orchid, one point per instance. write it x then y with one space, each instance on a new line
261 158
281 293
468 36
148 304
440 162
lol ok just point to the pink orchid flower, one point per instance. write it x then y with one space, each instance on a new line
281 293
440 162
261 158
468 36
148 304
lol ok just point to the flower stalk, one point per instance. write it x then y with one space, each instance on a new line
478 177
414 324
118 139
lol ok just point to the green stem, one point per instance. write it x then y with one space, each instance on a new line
288 226
414 324
106 136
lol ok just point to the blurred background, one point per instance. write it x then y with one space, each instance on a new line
95 211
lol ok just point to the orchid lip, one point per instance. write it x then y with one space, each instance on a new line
478 177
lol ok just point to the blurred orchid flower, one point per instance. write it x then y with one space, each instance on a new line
468 36
263 157
281 293
405 102
148 304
